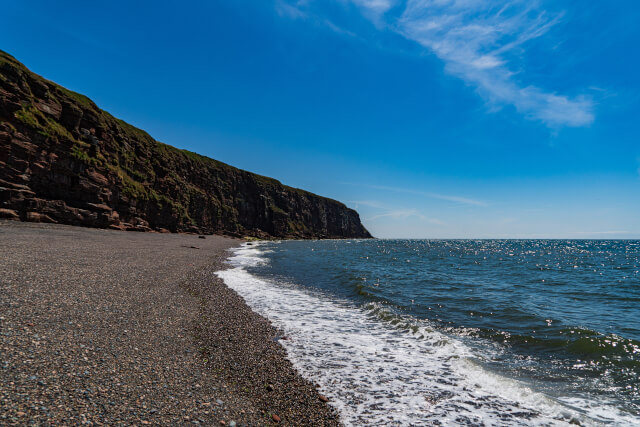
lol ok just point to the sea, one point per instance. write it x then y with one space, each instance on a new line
456 332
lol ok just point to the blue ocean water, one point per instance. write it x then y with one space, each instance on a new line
466 332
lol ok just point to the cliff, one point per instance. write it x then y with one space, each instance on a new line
64 160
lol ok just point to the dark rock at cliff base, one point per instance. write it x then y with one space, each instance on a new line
64 160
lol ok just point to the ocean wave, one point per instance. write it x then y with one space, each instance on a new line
379 368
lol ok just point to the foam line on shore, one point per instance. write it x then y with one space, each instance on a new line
375 374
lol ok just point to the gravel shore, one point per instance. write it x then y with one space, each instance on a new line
123 328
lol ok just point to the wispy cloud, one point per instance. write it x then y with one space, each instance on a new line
368 203
405 214
450 198
480 42
599 233
336 29
374 9
291 10
479 39
397 213
377 6
300 10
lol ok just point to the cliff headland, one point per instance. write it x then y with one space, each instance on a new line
64 160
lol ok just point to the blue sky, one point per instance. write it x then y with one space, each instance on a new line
433 118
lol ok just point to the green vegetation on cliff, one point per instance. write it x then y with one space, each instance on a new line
64 160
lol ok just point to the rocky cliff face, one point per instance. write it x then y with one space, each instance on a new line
64 160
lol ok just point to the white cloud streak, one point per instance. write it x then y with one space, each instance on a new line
368 203
293 11
450 198
479 41
405 214
299 10
599 233
374 9
387 212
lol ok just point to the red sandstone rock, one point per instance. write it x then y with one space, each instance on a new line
97 178
39 217
9 214
51 108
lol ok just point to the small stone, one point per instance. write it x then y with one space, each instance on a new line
323 398
219 402
20 414
223 423
232 424
275 418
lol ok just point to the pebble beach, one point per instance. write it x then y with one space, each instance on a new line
103 327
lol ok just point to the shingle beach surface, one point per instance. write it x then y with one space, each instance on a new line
103 327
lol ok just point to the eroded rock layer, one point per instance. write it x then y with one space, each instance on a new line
62 159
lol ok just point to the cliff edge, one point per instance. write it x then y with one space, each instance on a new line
64 160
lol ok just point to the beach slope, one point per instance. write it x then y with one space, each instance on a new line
123 328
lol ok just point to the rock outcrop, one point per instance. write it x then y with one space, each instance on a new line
64 160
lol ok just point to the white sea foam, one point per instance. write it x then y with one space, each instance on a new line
375 373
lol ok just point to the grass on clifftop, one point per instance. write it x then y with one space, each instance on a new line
78 97
48 127
34 118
